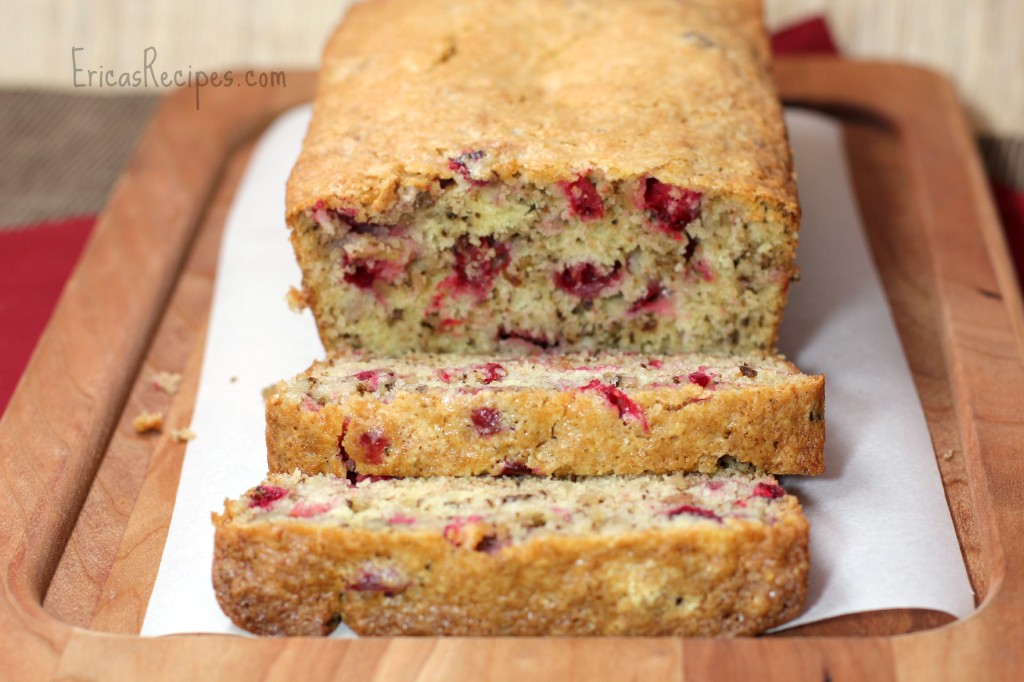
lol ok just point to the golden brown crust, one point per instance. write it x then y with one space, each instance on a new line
780 429
735 579
681 91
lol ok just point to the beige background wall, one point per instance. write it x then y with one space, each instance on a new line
979 42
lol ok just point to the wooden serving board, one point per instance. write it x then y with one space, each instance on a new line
85 502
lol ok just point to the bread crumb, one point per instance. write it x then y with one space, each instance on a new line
233 379
148 421
947 455
268 391
296 299
168 382
183 435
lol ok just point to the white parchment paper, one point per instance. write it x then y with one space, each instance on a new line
881 535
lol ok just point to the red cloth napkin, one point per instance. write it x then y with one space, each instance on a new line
813 37
807 37
1010 203
36 260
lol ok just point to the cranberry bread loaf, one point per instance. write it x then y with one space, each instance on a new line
545 414
690 554
591 174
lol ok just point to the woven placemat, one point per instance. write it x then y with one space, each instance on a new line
62 152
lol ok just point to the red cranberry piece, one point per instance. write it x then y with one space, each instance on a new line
704 269
626 408
584 201
700 377
321 214
694 511
374 445
769 490
303 510
515 469
491 372
654 300
365 272
370 379
670 206
587 280
461 165
362 274
476 265
401 520
346 216
446 375
379 580
310 404
486 421
265 495
655 363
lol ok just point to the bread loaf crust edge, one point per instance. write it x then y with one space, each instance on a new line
737 578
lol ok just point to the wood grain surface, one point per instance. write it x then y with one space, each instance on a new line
85 502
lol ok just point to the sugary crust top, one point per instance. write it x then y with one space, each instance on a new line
680 90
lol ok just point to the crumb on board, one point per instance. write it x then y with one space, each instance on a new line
947 455
168 382
233 379
183 435
146 422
